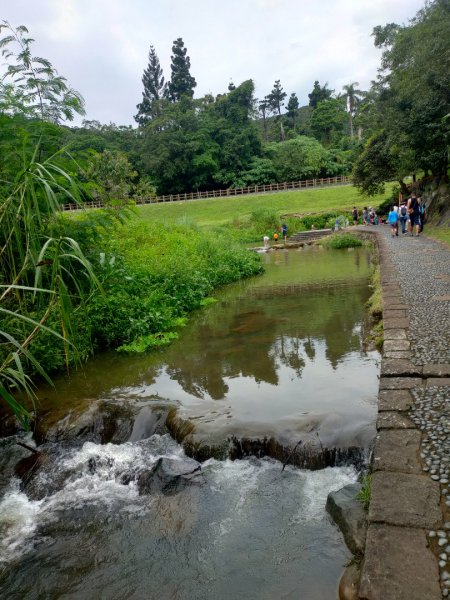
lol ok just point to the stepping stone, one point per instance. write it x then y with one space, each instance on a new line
436 370
389 400
393 420
401 323
406 500
396 345
395 334
398 565
399 383
397 450
391 367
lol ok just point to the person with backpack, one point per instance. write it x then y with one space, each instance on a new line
413 211
403 216
422 213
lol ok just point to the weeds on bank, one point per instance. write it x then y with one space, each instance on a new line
365 493
342 240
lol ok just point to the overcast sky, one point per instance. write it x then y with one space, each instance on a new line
101 46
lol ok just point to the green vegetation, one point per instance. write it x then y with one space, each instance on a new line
404 116
365 493
220 211
375 305
438 233
342 240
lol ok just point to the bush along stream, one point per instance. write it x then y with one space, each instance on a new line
175 473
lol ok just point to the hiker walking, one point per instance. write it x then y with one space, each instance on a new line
422 213
393 221
413 211
403 216
366 216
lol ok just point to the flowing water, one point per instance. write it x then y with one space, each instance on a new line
281 355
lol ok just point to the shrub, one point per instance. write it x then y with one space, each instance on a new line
342 240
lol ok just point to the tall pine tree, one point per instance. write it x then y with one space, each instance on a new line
182 83
276 101
154 89
319 93
292 108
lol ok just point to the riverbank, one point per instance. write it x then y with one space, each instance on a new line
407 553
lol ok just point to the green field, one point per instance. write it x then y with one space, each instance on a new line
439 233
219 211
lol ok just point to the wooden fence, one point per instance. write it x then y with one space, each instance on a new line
252 189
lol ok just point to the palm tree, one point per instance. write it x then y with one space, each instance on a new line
352 97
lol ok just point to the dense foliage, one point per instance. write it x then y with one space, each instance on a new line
405 121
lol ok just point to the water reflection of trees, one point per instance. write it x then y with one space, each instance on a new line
252 337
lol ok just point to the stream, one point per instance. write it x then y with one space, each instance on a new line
116 503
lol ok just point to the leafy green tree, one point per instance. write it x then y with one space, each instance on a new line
328 120
409 101
276 101
234 132
374 166
299 158
154 89
201 144
112 174
181 83
31 86
292 108
318 94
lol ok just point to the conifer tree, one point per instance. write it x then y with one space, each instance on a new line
154 89
292 107
182 83
319 93
276 101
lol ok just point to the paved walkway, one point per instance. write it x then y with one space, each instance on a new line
408 541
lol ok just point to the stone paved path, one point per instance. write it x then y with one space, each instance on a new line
408 541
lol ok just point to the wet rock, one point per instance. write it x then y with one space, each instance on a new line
108 422
27 468
308 455
147 422
349 583
349 515
169 476
8 424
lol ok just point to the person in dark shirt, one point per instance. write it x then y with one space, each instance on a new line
413 211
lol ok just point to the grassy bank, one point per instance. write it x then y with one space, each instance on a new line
220 211
151 277
438 233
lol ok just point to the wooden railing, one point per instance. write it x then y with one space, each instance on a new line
252 189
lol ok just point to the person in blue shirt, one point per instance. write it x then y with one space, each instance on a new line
393 221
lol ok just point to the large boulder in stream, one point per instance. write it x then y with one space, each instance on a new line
108 422
349 515
169 476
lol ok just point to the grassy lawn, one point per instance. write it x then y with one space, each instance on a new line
438 233
219 211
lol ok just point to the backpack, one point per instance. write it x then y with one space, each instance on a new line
403 211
